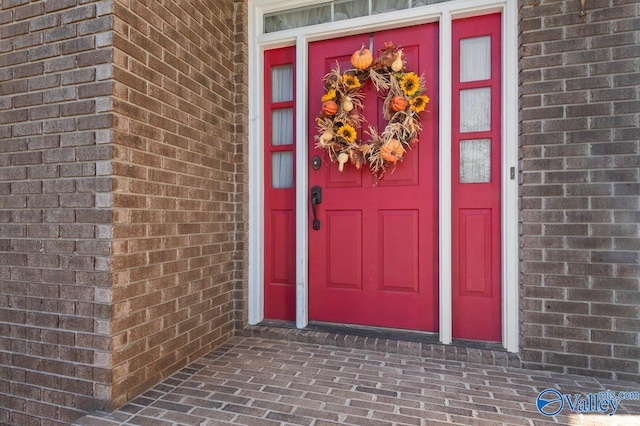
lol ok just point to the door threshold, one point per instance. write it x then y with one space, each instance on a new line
377 332
404 342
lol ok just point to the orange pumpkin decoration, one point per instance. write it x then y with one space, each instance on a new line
329 107
399 103
392 151
362 58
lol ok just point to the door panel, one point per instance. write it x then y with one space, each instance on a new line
475 252
374 259
344 229
398 250
280 250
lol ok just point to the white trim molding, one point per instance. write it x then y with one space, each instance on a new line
256 171
444 203
510 250
302 187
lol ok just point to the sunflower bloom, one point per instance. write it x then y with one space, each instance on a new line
410 84
348 133
419 103
329 96
350 81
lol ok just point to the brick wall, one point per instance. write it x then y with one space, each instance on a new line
122 190
579 187
175 207
54 221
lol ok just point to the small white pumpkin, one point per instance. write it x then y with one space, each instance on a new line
343 157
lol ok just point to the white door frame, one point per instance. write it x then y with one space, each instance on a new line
444 13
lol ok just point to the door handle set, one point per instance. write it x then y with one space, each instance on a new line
316 198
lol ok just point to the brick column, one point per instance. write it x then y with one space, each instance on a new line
579 194
55 215
122 197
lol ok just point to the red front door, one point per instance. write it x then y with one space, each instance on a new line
374 260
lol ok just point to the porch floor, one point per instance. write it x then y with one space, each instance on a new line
257 380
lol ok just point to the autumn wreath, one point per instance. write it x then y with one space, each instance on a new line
341 115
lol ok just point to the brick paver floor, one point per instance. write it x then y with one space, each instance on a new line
257 381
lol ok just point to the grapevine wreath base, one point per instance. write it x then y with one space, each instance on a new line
341 116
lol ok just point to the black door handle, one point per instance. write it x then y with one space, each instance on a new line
316 198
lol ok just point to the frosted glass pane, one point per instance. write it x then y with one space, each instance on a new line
475 59
475 161
418 3
282 126
282 169
380 6
475 110
350 9
282 83
296 18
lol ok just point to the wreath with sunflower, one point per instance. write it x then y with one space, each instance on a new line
342 103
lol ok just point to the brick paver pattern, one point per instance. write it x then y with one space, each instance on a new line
256 381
